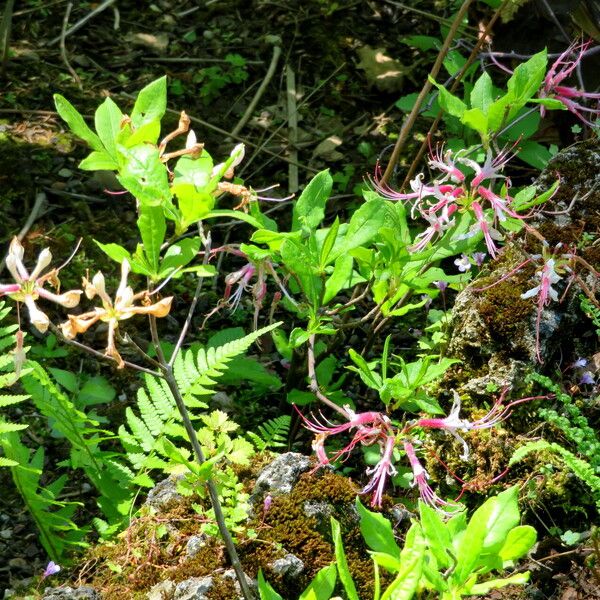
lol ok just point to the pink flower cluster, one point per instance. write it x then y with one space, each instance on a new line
562 68
376 428
438 201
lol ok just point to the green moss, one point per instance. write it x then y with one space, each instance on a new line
287 529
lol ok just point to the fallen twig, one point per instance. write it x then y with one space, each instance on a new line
63 47
292 115
81 22
40 200
260 91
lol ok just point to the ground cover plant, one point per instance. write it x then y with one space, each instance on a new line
409 342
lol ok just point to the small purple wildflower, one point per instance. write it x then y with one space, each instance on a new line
479 258
587 378
579 363
463 263
441 284
51 569
268 501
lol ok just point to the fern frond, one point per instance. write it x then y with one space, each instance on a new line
582 469
212 363
58 533
8 400
273 434
156 417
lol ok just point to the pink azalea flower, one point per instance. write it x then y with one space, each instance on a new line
451 193
380 472
445 163
437 225
545 293
453 424
491 167
481 224
370 428
562 68
420 479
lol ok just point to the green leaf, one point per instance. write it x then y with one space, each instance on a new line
151 103
236 215
528 200
377 531
309 209
549 103
481 589
363 227
114 251
144 175
328 243
387 561
477 120
108 119
98 161
304 264
322 586
534 154
76 123
436 533
153 227
265 590
411 567
519 542
486 532
341 277
369 377
527 78
451 104
342 563
482 94
193 187
146 134
179 255
96 390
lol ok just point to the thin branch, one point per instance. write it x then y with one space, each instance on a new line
314 384
292 117
210 484
188 319
100 355
412 117
193 60
470 60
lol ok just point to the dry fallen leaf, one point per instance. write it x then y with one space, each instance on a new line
386 73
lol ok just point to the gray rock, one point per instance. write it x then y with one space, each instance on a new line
164 494
252 583
162 591
68 593
194 588
195 544
280 476
319 510
289 566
